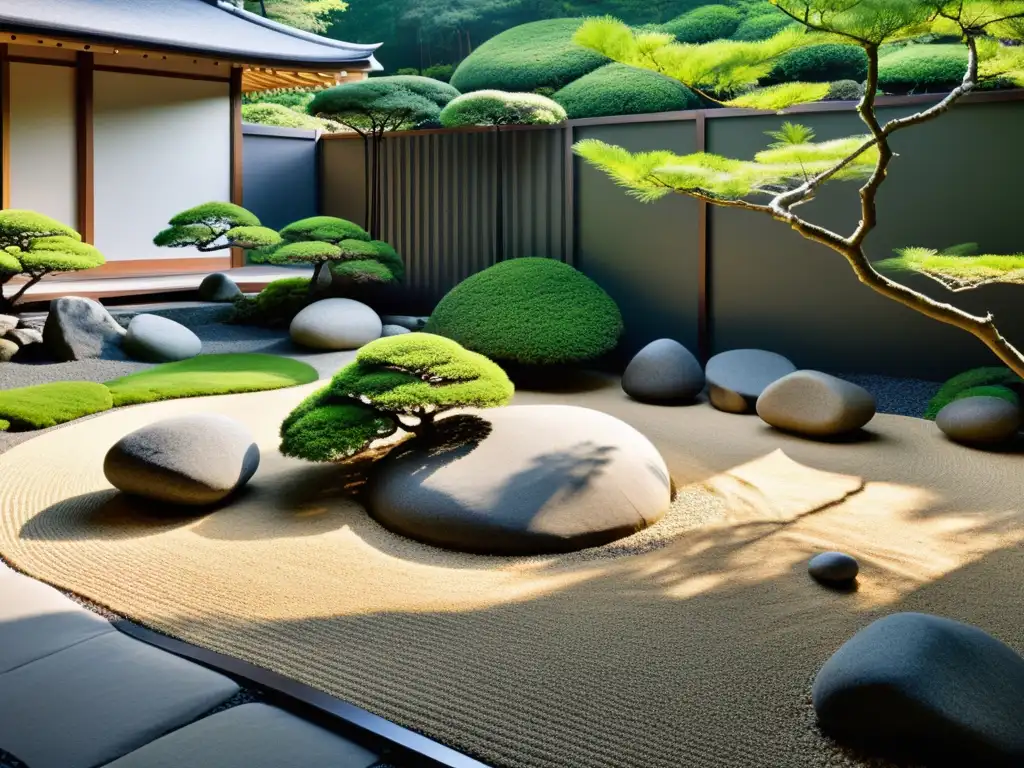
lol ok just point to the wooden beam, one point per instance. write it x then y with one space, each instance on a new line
84 86
5 128
237 140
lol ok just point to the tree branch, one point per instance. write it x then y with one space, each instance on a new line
34 277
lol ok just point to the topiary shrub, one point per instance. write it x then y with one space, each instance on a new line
540 54
529 311
441 72
500 108
844 90
216 226
400 382
292 98
922 69
407 71
821 64
617 89
283 117
712 22
276 305
762 26
972 380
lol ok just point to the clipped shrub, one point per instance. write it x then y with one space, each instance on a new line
972 380
529 311
407 71
821 64
275 306
501 108
922 69
430 88
292 98
540 54
381 103
762 26
216 226
399 382
283 117
442 72
844 90
47 405
616 89
711 22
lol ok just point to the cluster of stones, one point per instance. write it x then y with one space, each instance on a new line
19 339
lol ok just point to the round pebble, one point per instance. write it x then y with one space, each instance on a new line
833 567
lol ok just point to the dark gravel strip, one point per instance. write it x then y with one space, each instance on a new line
901 397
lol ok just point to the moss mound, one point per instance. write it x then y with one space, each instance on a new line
821 64
275 306
211 375
994 381
922 68
616 89
540 54
702 25
531 312
47 405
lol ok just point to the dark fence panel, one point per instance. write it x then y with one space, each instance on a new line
279 174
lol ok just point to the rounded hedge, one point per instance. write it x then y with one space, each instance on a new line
429 88
276 114
762 26
540 54
616 89
922 69
712 22
529 311
844 90
821 64
501 108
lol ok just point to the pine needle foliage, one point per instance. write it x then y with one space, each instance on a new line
957 272
215 226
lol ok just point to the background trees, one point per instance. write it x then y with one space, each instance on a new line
309 15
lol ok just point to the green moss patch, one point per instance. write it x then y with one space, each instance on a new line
211 375
993 381
616 89
47 405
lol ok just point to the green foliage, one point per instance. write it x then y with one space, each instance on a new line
304 253
376 105
616 89
329 229
500 108
211 375
19 228
922 68
215 226
281 116
844 90
821 64
790 134
429 87
780 96
275 306
957 272
442 72
1003 393
59 254
307 15
407 71
530 311
216 215
702 25
541 54
415 375
762 26
295 99
993 376
46 405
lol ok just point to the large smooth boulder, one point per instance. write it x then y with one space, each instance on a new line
335 324
218 287
523 480
192 460
815 404
929 686
738 377
980 420
664 371
82 329
156 339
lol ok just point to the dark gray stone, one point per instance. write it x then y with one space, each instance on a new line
523 480
393 330
738 377
8 349
979 420
24 336
663 371
82 329
7 323
193 460
156 339
218 287
833 567
406 321
815 404
927 687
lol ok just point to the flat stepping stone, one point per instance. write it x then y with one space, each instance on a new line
36 620
96 701
156 339
191 460
335 324
979 420
249 736
833 567
738 377
663 372
815 404
939 689
523 480
218 287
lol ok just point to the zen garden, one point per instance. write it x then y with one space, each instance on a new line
613 390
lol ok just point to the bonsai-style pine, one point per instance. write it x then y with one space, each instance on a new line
34 245
396 383
343 247
215 226
789 176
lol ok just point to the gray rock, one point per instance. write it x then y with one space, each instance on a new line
335 324
833 567
523 480
36 321
738 377
8 349
192 460
156 339
393 330
815 404
218 287
82 329
24 336
663 371
979 420
411 322
935 688
7 323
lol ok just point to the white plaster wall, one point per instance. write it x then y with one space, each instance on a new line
161 145
43 149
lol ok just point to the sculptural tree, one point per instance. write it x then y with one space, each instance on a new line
214 227
33 246
791 173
